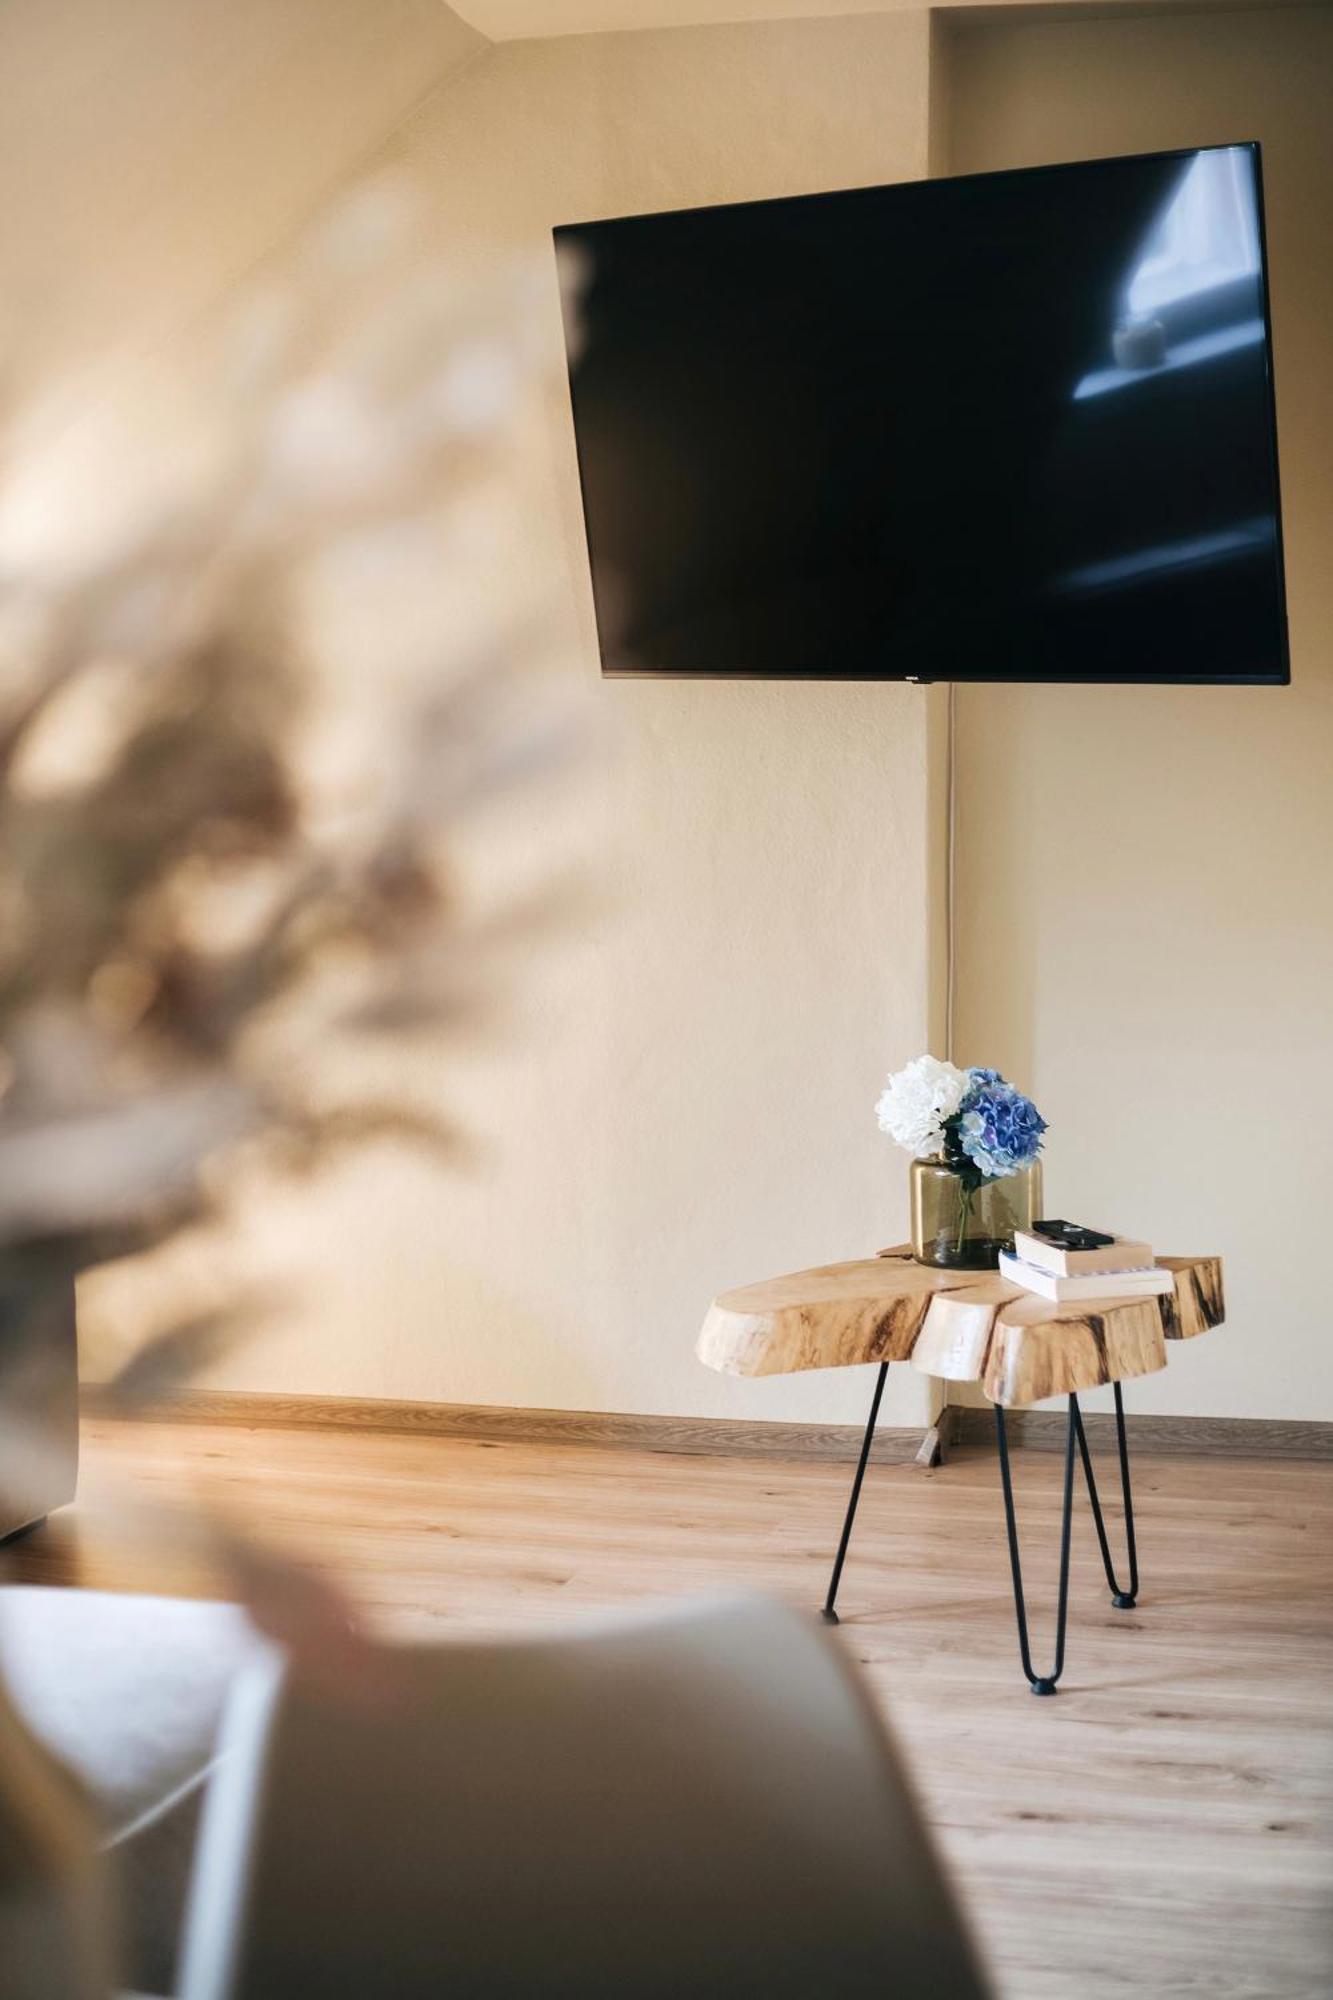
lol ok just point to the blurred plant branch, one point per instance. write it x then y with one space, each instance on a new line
181 877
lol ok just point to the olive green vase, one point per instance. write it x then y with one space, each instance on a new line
961 1227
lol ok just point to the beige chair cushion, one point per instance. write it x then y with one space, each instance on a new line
128 1692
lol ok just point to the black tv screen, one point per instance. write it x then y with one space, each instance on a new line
1013 426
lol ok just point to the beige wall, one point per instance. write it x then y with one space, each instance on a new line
1173 1016
684 1100
688 1101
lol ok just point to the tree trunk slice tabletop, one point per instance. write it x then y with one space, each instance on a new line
961 1326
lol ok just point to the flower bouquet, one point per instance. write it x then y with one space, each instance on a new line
976 1176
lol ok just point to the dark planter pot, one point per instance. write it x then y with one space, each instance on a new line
39 1393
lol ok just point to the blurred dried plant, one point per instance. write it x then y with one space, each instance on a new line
264 652
260 650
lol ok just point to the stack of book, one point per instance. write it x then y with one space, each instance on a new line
1120 1269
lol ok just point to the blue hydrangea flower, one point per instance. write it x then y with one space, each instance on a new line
999 1129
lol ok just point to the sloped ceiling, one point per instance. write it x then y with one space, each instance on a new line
512 20
151 151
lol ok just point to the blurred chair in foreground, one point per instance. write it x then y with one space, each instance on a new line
701 1802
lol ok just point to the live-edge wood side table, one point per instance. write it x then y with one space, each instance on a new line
969 1326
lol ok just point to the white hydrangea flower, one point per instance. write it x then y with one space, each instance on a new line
916 1102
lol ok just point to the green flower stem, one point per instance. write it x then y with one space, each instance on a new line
964 1216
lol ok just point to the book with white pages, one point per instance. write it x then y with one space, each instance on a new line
1130 1284
1122 1253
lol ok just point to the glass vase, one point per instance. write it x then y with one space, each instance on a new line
962 1228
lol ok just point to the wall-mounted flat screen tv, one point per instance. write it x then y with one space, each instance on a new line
1004 427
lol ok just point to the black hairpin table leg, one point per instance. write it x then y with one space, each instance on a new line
1040 1683
1123 1599
828 1614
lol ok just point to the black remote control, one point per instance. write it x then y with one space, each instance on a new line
1071 1235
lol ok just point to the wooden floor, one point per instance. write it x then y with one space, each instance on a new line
1163 1827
